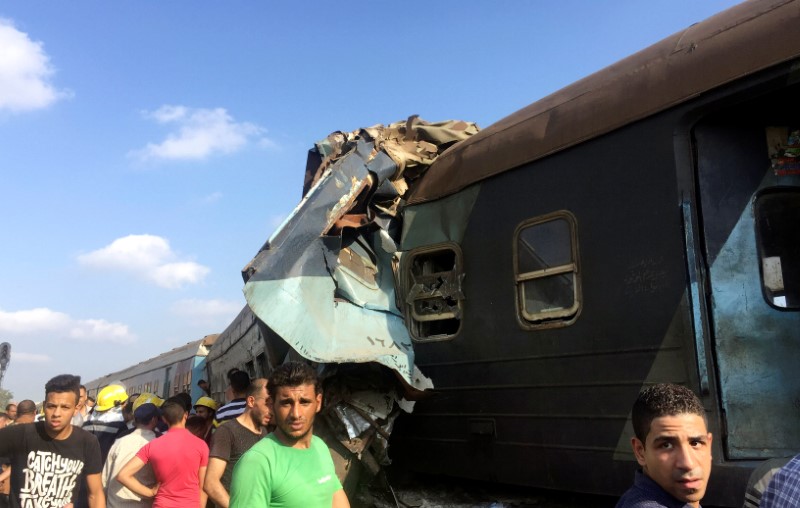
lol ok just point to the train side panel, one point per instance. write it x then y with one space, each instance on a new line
536 388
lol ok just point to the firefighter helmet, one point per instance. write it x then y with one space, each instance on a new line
111 396
207 402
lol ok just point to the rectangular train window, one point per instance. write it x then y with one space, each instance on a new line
433 295
546 271
777 216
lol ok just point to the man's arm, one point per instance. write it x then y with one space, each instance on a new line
340 499
126 478
213 486
97 499
201 474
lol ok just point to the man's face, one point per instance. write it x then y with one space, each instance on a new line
677 456
260 408
12 411
59 408
294 409
203 411
82 399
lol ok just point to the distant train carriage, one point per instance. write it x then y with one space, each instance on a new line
165 375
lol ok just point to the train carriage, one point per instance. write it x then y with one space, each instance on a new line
638 226
165 375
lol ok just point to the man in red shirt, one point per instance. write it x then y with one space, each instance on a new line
179 461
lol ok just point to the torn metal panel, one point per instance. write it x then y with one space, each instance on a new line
325 281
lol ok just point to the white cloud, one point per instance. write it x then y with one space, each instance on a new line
30 357
25 72
149 257
213 314
212 198
198 308
199 133
44 323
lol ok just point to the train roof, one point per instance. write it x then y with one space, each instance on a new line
189 350
740 41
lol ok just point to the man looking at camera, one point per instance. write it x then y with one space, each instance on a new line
673 447
291 467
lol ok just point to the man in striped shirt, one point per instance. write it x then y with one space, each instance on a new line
238 383
783 490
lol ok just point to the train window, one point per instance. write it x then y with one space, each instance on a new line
261 359
432 288
777 217
155 387
546 271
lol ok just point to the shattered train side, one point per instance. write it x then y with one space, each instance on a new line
326 281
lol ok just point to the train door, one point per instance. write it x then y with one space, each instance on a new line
749 216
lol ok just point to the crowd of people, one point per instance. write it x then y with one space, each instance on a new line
259 449
140 450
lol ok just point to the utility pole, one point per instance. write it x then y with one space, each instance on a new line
5 358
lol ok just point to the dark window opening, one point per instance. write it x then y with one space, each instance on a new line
777 216
433 294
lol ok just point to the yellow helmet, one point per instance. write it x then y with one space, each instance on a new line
145 398
207 402
111 396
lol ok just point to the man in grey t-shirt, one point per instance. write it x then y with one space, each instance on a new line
233 438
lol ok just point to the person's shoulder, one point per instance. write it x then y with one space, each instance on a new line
634 498
12 433
82 434
318 443
265 446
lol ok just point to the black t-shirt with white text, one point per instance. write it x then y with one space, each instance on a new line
45 472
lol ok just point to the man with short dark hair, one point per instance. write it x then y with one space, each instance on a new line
238 382
203 384
231 440
178 459
26 412
50 459
81 413
673 446
291 467
11 411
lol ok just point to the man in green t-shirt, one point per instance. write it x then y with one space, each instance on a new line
290 468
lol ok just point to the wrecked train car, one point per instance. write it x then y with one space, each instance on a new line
638 226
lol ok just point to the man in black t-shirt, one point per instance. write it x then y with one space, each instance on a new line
49 459
235 437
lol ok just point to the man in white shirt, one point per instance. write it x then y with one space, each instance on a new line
123 450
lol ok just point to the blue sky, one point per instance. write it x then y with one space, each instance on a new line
148 149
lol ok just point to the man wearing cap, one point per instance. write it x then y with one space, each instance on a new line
106 421
206 408
146 417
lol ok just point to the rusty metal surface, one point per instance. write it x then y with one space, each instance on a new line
740 41
325 281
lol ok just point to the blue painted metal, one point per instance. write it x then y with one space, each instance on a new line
695 296
757 350
295 278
